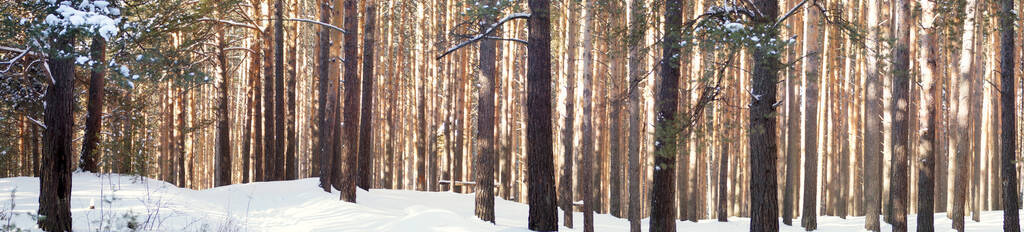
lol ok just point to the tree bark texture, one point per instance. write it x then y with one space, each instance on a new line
539 155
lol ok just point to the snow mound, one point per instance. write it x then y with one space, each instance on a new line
110 202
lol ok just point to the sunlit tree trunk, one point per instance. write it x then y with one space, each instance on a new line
813 33
873 124
483 162
962 93
930 106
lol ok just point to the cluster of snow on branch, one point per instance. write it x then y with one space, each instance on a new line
94 16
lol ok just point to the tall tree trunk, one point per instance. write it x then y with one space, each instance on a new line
182 99
637 18
422 142
327 100
792 187
813 32
963 92
262 171
270 150
873 125
366 124
223 163
900 114
347 179
723 182
247 129
483 162
35 151
539 155
565 192
586 176
615 185
94 117
290 170
55 175
280 124
762 136
663 213
930 106
1011 220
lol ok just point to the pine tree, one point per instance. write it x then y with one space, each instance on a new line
813 33
94 117
539 155
1011 220
366 123
762 138
663 192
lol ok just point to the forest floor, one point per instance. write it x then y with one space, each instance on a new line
121 203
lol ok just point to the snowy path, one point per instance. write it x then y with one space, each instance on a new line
300 206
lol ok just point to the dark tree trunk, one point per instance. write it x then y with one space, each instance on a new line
565 197
663 212
484 161
347 179
35 151
181 138
615 160
223 169
328 98
280 115
290 171
270 150
55 178
366 124
539 155
723 184
900 127
94 117
1011 220
764 213
812 49
264 171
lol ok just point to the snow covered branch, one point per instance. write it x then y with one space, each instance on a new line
487 33
317 23
495 38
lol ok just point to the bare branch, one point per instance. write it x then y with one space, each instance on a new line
231 23
790 13
37 122
485 33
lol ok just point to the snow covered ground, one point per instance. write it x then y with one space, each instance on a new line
112 202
